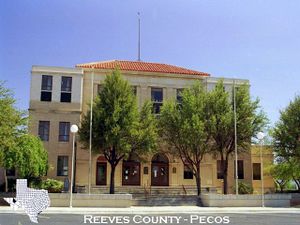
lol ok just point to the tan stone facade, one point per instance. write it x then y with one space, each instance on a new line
268 159
56 113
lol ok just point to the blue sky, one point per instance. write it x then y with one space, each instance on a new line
257 40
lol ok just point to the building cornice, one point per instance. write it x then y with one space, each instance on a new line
169 75
56 70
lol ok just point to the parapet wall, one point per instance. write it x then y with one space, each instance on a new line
93 200
270 200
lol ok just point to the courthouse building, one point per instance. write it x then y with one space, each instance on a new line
59 97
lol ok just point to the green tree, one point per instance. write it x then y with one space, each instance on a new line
28 157
250 120
12 121
31 158
286 134
286 140
18 150
285 171
183 126
119 129
11 124
280 177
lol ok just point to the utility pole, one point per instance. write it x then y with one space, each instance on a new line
235 141
91 126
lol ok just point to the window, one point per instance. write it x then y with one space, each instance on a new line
99 88
256 171
240 169
66 89
44 127
65 97
46 83
188 173
101 173
157 99
64 131
219 170
62 165
134 90
174 170
146 170
46 96
179 95
66 84
46 89
10 172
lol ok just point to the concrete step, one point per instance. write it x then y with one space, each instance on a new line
151 191
167 201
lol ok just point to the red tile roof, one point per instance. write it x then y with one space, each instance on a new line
141 66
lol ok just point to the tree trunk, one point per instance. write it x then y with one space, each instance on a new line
298 184
198 180
281 188
6 181
225 176
112 179
280 185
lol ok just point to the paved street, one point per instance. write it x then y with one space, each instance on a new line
253 218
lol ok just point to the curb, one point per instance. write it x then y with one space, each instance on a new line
159 210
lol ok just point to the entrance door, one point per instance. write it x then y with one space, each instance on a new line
131 173
160 170
101 173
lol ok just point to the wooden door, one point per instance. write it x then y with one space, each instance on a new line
160 174
131 173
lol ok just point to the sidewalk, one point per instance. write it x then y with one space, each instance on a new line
159 210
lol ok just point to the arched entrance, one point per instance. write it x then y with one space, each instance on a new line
101 171
160 170
131 171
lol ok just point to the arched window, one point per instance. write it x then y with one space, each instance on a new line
160 158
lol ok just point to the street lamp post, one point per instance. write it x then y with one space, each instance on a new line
74 130
260 137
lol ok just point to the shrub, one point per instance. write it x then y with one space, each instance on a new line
53 186
35 182
244 188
